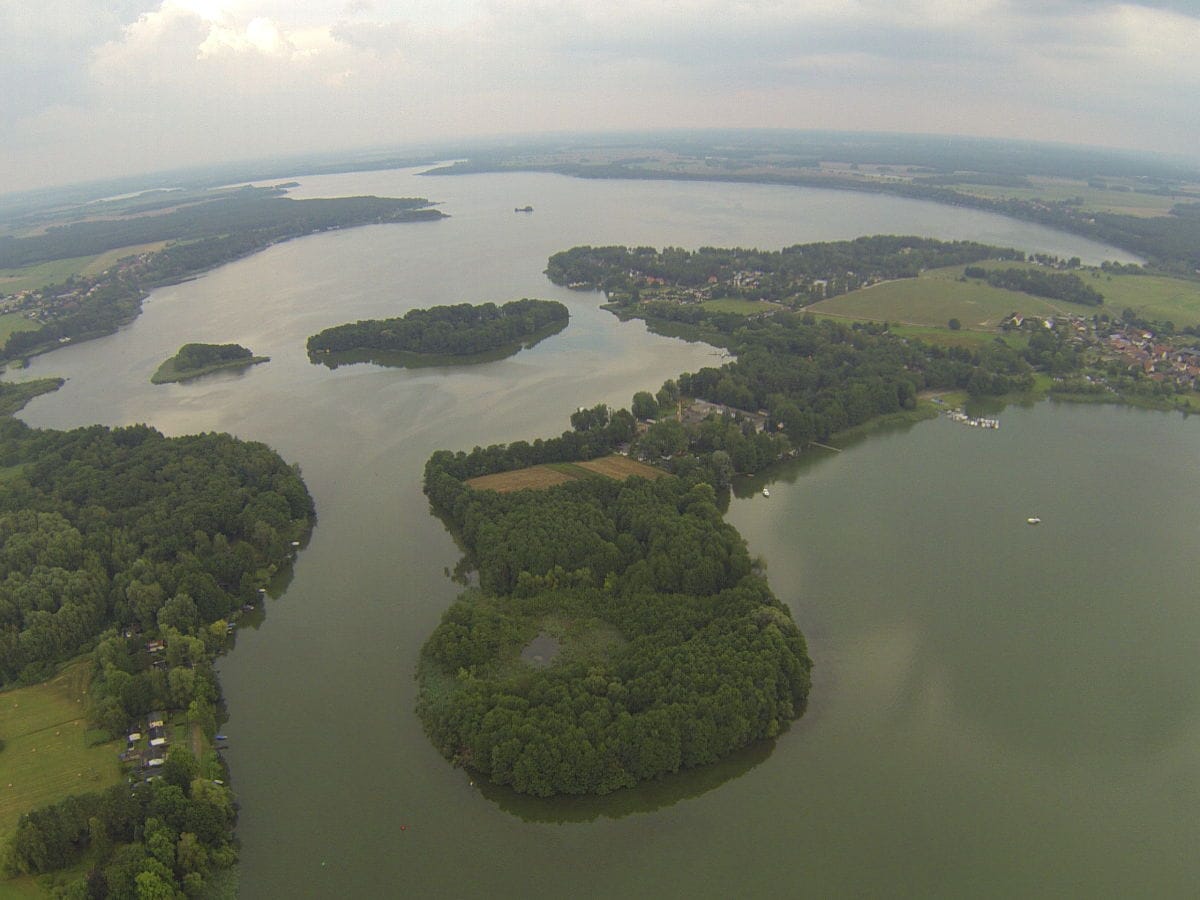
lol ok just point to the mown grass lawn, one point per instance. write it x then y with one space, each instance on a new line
46 756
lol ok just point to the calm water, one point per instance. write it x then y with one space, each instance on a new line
999 709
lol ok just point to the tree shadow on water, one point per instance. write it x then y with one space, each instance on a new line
646 797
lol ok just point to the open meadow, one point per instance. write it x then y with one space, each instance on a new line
938 295
933 299
46 756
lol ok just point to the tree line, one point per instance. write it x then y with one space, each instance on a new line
1064 286
777 272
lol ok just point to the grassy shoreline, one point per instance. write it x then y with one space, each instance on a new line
168 372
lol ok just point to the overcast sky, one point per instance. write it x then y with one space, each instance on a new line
94 88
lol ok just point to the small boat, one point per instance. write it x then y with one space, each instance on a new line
523 209
766 493
1034 520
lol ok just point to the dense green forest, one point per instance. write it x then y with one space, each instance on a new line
460 329
125 528
193 360
1054 285
110 537
674 652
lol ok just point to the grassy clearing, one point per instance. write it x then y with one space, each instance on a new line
544 476
13 322
580 638
45 757
740 307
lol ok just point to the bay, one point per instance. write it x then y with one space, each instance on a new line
998 709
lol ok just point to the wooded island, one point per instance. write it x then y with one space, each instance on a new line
194 360
458 330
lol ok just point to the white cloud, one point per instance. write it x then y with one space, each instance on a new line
155 84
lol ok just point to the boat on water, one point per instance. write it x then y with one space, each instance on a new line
523 209
766 493
1034 520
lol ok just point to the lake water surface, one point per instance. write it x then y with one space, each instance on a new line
998 709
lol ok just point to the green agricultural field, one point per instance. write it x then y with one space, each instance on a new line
31 278
934 298
1156 297
937 296
1094 199
1150 296
46 756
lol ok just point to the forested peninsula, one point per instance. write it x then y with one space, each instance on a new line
134 550
194 360
671 649
186 235
457 330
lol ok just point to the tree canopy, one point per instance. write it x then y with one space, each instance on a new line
461 329
104 528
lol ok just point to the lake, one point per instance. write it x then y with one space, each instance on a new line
998 709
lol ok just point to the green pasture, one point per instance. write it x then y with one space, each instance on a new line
1157 297
29 278
11 322
934 299
46 756
1150 296
938 295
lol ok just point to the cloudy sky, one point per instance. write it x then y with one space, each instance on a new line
93 88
